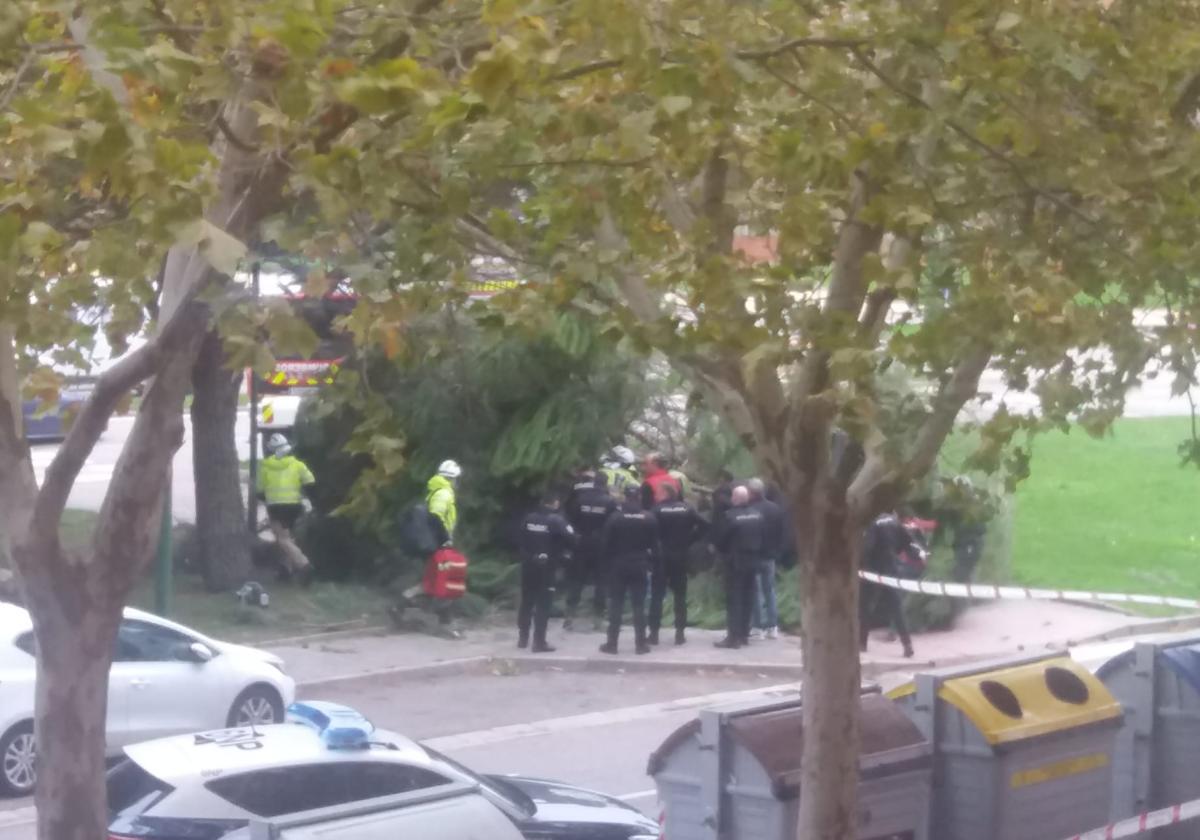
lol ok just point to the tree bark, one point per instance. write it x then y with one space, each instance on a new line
222 544
75 648
832 676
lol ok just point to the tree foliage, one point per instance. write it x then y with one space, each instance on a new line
519 410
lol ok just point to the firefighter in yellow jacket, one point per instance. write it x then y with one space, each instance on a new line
283 481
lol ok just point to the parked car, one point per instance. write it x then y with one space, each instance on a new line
204 786
165 679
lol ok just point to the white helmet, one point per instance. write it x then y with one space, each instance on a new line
450 469
279 445
624 455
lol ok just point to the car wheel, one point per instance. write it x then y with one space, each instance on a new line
258 705
18 761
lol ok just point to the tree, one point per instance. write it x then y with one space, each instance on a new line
222 539
954 186
152 139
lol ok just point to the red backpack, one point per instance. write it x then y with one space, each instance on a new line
445 574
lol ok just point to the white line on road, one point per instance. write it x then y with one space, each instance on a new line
513 732
641 794
18 816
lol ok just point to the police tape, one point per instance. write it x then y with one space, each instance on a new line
1143 823
1022 593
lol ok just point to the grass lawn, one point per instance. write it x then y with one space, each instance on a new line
1117 514
293 611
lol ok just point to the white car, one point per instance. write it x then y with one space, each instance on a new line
207 785
165 679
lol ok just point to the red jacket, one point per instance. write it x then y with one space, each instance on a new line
652 487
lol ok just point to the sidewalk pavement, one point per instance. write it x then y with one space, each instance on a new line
989 630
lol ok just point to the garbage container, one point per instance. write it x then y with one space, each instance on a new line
1022 750
734 774
1158 684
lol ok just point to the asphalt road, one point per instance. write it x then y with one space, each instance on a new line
591 729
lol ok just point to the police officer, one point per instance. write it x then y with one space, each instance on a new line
679 525
631 548
588 508
546 539
742 541
883 541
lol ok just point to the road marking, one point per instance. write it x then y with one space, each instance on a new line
18 816
629 714
641 794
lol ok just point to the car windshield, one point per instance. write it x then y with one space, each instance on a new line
495 788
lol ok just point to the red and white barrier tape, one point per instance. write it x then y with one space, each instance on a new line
1022 593
1143 823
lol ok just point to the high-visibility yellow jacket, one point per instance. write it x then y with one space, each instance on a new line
441 502
618 479
281 480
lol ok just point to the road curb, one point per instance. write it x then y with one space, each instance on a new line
425 669
1170 624
524 663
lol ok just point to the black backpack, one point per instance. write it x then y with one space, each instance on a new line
417 533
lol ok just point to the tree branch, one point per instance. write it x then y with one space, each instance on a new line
757 54
234 140
988 149
15 84
92 419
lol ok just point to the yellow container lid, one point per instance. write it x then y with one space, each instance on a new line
1025 701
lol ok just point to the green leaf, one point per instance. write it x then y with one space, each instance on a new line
675 105
222 251
1007 21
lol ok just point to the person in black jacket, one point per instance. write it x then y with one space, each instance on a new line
679 525
544 542
588 508
766 611
883 541
742 540
631 548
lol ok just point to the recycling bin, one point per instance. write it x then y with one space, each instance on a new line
1157 762
1022 750
734 774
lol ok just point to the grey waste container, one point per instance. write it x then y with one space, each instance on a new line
734 774
1158 749
1023 749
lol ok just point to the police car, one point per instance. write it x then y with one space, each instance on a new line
210 784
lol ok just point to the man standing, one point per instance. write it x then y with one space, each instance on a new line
883 541
283 481
631 547
588 508
546 539
766 611
657 481
442 501
618 471
741 540
679 525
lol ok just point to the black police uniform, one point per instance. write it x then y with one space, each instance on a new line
545 539
743 541
883 541
679 525
631 548
588 508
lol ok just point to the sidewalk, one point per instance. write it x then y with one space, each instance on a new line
989 630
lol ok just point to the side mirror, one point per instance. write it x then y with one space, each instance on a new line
199 652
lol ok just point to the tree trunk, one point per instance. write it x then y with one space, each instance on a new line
832 676
76 631
222 544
